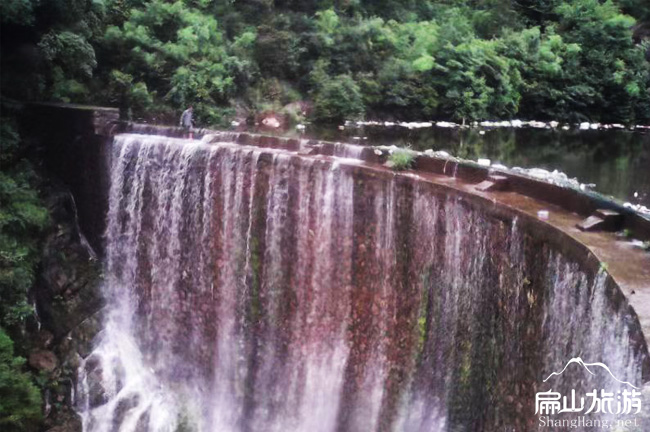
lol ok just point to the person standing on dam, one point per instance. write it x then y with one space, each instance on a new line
187 122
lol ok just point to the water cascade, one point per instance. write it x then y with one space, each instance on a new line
258 290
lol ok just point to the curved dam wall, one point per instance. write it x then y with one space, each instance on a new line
261 284
256 289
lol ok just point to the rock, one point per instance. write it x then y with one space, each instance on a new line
80 339
67 291
70 422
68 302
43 360
120 375
592 223
539 173
97 394
602 219
143 422
493 183
271 122
44 339
124 405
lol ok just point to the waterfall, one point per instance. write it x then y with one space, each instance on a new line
349 151
252 289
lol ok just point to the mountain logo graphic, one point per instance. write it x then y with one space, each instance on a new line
579 361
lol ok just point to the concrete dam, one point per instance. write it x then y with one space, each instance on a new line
258 284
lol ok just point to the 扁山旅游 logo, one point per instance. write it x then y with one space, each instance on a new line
616 406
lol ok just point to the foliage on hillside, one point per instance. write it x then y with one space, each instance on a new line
418 59
23 218
20 399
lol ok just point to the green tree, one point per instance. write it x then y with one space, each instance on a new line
72 61
477 81
611 67
20 399
17 12
22 221
571 59
547 65
178 51
338 98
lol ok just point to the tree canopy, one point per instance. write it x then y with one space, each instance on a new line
418 59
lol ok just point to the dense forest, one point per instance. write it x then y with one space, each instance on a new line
23 220
574 60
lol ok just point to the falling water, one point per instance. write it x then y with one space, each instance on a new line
349 151
253 290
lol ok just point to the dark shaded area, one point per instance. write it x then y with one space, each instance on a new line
77 154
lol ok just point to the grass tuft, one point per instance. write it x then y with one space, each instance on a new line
401 159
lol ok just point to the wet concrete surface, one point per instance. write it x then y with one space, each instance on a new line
627 264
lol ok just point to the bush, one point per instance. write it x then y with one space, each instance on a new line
20 399
22 220
401 159
338 99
